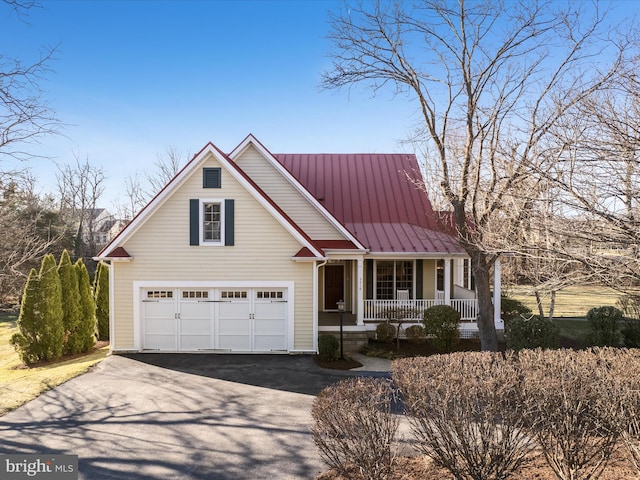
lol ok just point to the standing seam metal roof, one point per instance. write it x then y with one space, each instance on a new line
376 197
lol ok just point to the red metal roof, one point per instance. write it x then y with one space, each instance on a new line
118 252
376 197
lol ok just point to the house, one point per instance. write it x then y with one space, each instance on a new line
252 251
97 228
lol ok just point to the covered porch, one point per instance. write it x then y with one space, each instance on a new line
398 290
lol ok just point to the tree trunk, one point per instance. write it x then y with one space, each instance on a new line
539 303
553 304
486 325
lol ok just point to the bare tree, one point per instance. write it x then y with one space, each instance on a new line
29 228
135 198
139 192
541 264
25 116
486 78
80 187
598 146
166 166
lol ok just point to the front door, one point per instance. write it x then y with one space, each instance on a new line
333 286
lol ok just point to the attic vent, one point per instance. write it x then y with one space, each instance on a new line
211 178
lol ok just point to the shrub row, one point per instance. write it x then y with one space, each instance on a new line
57 312
480 415
608 326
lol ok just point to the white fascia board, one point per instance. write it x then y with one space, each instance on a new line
162 196
251 140
270 208
309 259
344 252
416 255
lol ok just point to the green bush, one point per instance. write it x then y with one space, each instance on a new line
385 332
101 295
604 326
416 334
52 331
534 332
442 322
510 308
631 333
25 341
71 305
41 331
328 348
87 328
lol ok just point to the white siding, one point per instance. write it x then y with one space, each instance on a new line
286 196
262 252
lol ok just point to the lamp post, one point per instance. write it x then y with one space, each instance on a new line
341 310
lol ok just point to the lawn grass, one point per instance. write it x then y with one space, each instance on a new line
21 384
571 302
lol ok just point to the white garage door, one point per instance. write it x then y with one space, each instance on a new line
226 320
252 320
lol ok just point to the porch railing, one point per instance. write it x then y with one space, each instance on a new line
412 309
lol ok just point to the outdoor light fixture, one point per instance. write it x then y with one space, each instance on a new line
340 304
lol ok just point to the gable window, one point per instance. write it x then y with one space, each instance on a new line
211 222
392 276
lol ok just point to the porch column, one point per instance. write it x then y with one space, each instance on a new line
360 291
497 273
447 281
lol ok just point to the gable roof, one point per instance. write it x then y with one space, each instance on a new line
373 199
250 140
112 249
377 197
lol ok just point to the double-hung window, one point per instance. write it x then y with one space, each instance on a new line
392 276
212 222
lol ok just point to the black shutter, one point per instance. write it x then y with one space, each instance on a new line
419 280
229 220
369 282
194 221
211 178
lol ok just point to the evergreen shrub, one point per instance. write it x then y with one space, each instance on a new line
101 295
328 348
533 332
604 326
442 322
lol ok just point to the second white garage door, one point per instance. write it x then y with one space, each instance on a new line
232 320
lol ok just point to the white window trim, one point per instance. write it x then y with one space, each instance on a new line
201 240
375 276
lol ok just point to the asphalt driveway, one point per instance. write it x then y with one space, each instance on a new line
155 416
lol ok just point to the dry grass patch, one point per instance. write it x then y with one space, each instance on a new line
571 301
22 384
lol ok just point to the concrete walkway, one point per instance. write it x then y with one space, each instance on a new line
371 364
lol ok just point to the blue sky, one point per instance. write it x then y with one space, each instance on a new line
132 78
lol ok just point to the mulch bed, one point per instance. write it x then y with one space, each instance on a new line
64 358
422 468
344 364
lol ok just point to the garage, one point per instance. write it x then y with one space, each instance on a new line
215 319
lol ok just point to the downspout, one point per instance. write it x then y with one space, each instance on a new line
315 302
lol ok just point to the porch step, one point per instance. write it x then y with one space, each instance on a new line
352 340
